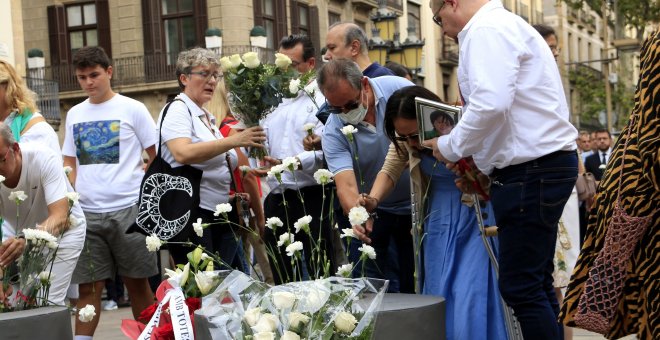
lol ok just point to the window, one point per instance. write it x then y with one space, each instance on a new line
413 18
74 26
333 18
300 20
178 27
271 14
81 26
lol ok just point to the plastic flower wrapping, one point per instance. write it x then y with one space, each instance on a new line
332 308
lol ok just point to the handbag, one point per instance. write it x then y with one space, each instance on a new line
169 197
586 186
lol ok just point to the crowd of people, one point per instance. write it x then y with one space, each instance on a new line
514 131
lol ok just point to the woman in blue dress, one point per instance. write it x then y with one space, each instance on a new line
455 263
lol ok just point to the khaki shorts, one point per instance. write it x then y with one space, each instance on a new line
109 250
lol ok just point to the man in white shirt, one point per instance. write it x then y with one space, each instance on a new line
37 171
285 130
515 126
104 139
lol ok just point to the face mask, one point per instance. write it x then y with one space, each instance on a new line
354 116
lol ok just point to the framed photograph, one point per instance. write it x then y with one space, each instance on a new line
435 119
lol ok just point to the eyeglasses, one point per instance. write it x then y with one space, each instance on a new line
348 107
207 75
4 159
407 138
436 17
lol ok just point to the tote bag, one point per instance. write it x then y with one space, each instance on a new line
169 197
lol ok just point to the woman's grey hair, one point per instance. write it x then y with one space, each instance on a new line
337 69
192 58
6 134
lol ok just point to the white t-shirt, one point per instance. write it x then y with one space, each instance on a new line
43 181
107 140
40 132
214 186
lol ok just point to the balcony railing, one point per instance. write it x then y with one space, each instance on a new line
148 68
449 52
48 100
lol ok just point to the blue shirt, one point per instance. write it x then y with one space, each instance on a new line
371 147
376 70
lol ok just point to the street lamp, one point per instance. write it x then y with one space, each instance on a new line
412 51
377 47
385 20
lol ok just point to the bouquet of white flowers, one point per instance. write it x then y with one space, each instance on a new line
332 308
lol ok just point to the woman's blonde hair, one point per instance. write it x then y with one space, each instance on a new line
17 95
219 104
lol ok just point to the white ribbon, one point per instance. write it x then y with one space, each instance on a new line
181 325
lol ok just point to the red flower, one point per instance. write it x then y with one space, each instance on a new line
163 332
193 304
148 313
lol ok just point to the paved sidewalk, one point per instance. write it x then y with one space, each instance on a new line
110 327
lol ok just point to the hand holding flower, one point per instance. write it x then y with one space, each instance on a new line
10 250
312 142
250 137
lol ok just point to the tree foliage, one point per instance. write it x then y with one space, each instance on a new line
636 13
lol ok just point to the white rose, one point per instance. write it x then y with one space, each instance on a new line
294 86
358 215
311 88
274 223
368 251
303 223
289 335
251 60
345 322
349 130
252 315
315 299
296 320
267 323
87 313
323 176
347 232
73 196
283 300
282 60
198 227
235 60
345 270
17 196
285 239
293 248
264 336
153 243
225 63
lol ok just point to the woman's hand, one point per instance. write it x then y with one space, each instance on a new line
10 250
251 137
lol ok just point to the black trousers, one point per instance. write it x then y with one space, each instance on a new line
312 204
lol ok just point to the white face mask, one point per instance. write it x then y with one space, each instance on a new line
354 116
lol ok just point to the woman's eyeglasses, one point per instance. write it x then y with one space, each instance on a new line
207 75
407 138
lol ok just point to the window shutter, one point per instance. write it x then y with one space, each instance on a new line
103 26
295 17
201 21
152 29
314 33
258 16
280 21
59 53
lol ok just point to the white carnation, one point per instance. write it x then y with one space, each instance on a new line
323 176
309 127
87 313
347 232
274 223
73 196
349 130
293 248
198 227
67 170
303 223
285 239
17 196
222 208
153 243
358 215
368 251
345 270
291 163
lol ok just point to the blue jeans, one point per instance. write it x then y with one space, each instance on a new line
528 200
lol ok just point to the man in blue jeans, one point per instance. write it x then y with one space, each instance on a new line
515 126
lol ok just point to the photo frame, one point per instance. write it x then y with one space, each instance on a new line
429 110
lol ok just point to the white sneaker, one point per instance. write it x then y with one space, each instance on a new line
109 305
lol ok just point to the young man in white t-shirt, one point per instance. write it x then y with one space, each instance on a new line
37 171
104 139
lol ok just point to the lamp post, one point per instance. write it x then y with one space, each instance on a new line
606 70
377 47
412 51
385 21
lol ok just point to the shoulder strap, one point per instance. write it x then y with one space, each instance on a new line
160 128
33 122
